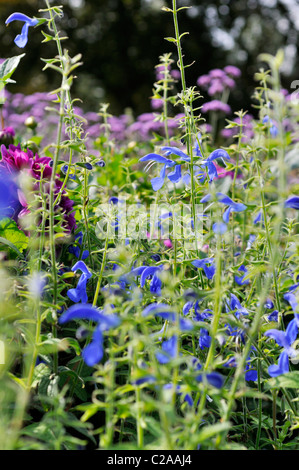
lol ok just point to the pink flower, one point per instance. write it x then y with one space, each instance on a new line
168 243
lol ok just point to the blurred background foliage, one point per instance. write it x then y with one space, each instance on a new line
121 41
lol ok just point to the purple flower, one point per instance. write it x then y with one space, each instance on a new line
21 39
232 70
216 105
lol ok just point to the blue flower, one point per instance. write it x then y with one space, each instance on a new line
164 311
208 270
273 128
204 339
21 39
250 374
213 378
169 350
224 199
291 298
273 316
176 175
79 293
236 306
240 279
292 202
219 228
75 249
208 163
258 218
285 338
282 367
94 351
146 271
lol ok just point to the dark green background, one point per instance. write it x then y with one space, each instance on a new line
121 41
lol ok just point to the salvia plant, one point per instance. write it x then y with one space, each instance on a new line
149 265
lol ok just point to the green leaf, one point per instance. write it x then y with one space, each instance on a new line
289 380
12 236
7 68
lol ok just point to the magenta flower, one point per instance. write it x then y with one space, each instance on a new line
14 160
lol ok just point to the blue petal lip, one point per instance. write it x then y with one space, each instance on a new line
155 157
21 17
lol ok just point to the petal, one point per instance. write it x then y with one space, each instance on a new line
220 228
279 336
175 175
292 202
176 151
155 158
291 332
93 352
22 39
158 182
155 308
282 367
218 153
212 171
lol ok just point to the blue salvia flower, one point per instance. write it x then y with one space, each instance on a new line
174 176
169 350
164 311
273 316
208 163
250 374
75 249
224 199
258 218
213 378
79 294
239 311
273 128
291 298
94 351
292 202
21 39
240 279
204 339
203 263
236 306
284 339
219 228
282 367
